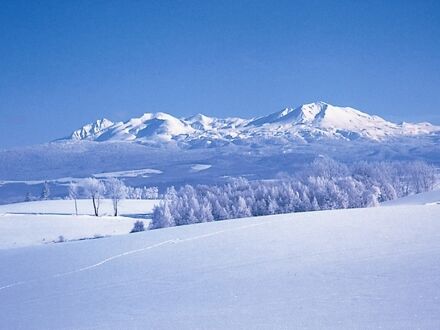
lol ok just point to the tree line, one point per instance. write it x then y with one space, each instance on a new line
112 188
326 184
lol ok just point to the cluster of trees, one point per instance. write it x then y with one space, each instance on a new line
142 193
76 188
96 189
112 188
326 184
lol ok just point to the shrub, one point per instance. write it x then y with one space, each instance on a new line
138 226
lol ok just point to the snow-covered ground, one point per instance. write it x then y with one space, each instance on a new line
431 197
85 207
127 174
42 222
200 167
359 268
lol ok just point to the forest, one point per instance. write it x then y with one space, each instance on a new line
324 185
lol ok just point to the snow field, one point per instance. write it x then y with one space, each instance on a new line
356 268
43 222
85 207
431 197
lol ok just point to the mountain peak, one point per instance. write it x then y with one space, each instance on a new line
307 122
91 130
300 115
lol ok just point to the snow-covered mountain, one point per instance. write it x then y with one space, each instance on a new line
162 150
308 122
92 130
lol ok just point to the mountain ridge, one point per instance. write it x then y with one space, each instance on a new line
308 122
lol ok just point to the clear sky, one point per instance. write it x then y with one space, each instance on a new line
66 63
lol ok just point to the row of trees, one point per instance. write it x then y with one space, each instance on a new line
96 189
142 192
326 184
112 188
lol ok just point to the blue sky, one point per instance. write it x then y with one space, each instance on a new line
65 63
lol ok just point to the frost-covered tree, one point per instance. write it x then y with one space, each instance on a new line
117 191
242 210
326 184
74 194
45 193
423 176
327 168
94 189
150 193
162 216
134 193
315 205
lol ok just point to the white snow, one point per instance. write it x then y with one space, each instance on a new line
91 130
358 269
427 198
85 207
144 172
127 174
42 222
200 167
161 126
19 230
309 121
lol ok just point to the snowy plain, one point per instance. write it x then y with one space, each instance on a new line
43 222
357 268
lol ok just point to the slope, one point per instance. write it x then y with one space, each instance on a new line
359 268
43 222
430 197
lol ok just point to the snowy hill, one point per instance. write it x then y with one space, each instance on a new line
149 126
44 222
308 122
427 198
358 269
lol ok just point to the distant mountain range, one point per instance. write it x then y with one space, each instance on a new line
162 150
309 122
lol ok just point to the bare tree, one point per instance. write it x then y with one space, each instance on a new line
95 190
117 191
74 193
